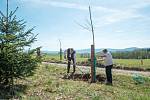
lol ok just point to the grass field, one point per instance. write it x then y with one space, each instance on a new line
57 57
131 63
48 84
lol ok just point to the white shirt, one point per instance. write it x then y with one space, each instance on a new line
107 59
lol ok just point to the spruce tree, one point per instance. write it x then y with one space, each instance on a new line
15 60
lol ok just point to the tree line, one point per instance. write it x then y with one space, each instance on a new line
136 54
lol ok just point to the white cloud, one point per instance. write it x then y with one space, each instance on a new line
103 15
119 15
122 15
68 5
62 4
104 9
119 31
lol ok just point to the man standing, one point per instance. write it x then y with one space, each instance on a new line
70 54
108 62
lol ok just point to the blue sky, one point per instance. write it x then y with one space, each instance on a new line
117 23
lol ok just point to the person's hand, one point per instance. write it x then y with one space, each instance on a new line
100 59
103 56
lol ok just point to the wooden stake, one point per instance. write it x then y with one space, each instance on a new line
93 60
60 50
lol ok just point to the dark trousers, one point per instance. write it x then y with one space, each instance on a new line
109 73
69 64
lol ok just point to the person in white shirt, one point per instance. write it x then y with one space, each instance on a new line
108 63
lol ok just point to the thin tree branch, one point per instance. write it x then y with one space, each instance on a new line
84 27
2 14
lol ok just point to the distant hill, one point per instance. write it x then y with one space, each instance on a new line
50 52
98 50
109 49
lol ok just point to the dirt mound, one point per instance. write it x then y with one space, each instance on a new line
83 77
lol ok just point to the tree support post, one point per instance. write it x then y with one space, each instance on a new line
93 64
60 53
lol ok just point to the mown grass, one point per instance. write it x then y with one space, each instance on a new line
48 84
133 62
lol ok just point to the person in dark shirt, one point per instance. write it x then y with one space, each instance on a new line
70 54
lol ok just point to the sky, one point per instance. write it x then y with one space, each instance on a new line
117 23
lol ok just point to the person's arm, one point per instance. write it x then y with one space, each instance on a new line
100 59
102 56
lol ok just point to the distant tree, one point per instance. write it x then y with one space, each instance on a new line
136 54
15 61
